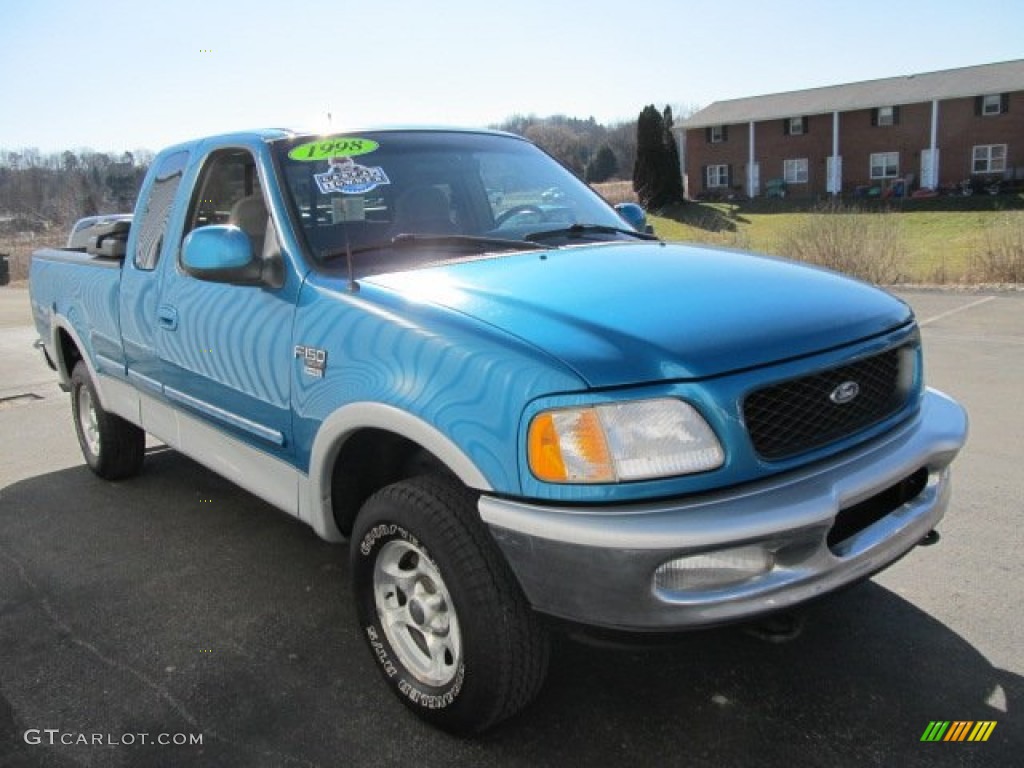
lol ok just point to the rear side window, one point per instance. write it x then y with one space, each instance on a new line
153 222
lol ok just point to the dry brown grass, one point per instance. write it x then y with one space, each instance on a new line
868 247
1001 257
19 249
616 192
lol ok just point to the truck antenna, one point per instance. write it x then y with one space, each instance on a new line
353 286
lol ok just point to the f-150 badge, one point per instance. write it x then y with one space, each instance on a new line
314 360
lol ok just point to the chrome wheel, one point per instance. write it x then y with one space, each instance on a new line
87 421
417 613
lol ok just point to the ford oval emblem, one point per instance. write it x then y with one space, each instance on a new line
845 393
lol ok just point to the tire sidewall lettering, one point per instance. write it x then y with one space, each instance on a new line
385 532
430 700
381 652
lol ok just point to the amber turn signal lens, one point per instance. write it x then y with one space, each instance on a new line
569 446
545 455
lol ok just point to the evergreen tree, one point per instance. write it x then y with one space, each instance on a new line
650 128
673 182
603 166
657 180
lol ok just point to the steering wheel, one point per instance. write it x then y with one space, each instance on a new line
515 210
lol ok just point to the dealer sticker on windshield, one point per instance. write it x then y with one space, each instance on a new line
340 146
346 176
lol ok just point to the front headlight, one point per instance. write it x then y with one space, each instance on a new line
617 442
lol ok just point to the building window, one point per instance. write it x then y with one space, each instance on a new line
717 134
885 116
717 176
795 126
885 165
989 158
992 104
795 171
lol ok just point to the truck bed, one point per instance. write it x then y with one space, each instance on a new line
82 289
78 256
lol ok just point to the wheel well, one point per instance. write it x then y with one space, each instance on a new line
369 460
67 351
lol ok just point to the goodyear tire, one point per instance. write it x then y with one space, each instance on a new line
441 612
112 447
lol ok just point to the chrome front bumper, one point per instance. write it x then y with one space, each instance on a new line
597 565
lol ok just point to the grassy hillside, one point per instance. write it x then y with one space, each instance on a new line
947 240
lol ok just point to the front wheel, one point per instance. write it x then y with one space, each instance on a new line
112 447
440 610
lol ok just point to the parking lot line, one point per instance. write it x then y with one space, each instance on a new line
956 311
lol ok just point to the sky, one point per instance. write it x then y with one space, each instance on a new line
114 76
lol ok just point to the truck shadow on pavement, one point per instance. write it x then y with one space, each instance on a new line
176 603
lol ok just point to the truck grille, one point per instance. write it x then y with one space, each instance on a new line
810 412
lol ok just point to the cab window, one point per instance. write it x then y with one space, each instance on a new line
229 192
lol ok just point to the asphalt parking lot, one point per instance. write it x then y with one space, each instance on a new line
177 604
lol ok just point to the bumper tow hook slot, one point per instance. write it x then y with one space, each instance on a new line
932 537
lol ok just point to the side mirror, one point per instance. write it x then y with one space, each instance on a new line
221 254
635 216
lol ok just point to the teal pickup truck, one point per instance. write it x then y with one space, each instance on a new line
521 409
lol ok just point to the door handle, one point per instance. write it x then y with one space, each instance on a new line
167 317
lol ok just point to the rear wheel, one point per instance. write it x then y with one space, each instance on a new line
442 613
113 448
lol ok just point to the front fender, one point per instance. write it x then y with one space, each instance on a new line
337 428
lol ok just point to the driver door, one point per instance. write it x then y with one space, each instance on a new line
226 349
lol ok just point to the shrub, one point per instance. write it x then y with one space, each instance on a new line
1001 259
864 245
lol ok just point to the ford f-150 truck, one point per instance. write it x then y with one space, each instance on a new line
515 403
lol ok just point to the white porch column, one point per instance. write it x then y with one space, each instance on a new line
681 145
752 175
835 179
932 182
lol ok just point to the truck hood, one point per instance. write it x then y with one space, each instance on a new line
631 313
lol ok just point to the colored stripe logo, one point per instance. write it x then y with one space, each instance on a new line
958 730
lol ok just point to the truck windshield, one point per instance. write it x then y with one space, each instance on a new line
420 192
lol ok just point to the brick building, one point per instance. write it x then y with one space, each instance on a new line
924 131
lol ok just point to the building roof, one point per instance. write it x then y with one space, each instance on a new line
891 91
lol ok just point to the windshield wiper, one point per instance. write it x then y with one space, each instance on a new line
578 230
483 244
472 242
